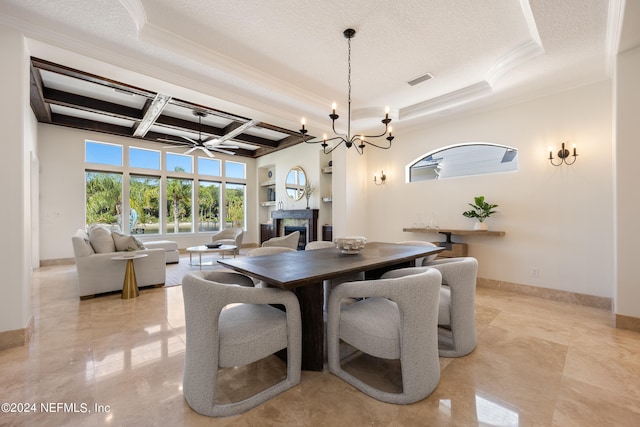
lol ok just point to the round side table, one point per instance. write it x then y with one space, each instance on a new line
130 284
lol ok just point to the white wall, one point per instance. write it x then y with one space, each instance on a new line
15 215
557 219
62 190
627 179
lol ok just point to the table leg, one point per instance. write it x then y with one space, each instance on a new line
311 299
130 284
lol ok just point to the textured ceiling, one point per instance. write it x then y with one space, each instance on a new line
277 61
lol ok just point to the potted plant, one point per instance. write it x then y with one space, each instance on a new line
481 210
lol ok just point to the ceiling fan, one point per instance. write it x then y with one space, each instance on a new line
211 143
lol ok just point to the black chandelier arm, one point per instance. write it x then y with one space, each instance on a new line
317 141
386 130
377 146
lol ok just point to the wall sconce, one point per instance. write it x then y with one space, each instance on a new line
563 155
382 180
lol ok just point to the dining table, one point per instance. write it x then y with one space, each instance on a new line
303 272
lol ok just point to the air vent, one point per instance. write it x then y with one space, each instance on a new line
420 79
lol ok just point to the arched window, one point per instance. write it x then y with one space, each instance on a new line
471 158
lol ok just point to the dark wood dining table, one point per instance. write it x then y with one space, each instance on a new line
304 271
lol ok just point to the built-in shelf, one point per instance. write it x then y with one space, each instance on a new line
269 203
327 199
328 169
268 183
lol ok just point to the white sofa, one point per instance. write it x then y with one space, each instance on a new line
99 273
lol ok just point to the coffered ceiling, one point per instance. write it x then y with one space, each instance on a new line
258 66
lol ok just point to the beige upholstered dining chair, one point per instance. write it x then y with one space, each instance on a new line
456 312
397 319
288 241
219 336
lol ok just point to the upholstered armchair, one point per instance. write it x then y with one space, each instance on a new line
218 336
288 241
397 319
229 236
456 313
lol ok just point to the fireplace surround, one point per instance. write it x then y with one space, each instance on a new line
297 218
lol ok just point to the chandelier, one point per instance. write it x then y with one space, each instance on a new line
358 141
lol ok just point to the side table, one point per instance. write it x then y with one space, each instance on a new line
130 284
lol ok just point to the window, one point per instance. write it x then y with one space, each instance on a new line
235 206
179 207
474 158
162 195
208 166
179 162
235 170
103 192
144 204
143 158
208 206
102 153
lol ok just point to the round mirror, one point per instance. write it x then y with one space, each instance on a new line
294 185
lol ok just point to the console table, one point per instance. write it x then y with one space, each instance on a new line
454 249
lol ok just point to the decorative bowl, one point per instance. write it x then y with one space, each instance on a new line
350 244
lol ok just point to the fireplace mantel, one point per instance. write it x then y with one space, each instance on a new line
310 215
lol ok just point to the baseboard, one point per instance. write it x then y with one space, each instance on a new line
627 322
17 337
550 294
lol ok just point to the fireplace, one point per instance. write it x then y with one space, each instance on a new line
303 220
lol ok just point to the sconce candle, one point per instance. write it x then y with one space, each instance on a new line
383 179
563 155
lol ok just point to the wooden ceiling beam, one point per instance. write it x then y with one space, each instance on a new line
71 100
36 97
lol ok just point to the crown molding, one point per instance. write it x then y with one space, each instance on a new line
448 100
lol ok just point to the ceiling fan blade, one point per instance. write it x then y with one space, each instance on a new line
213 139
210 145
207 152
191 150
193 141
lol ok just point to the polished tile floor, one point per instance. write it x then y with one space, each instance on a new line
538 363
